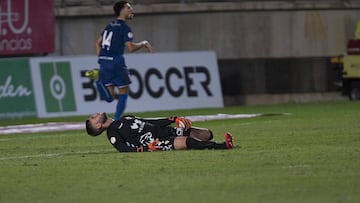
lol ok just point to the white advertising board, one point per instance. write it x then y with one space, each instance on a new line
160 81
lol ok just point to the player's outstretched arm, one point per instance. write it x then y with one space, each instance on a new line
180 122
133 46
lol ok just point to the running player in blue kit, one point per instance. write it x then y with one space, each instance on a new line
110 47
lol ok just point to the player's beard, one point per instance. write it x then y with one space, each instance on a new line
103 118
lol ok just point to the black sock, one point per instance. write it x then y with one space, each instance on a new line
192 143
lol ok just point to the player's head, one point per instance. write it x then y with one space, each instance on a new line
94 124
123 9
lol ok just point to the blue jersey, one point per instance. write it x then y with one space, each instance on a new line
114 37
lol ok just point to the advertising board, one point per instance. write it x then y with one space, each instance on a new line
160 81
16 89
26 27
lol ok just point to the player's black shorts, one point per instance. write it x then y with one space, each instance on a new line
168 135
174 131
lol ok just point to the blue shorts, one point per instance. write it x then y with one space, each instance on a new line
114 74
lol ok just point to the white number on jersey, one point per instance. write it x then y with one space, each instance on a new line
106 40
137 124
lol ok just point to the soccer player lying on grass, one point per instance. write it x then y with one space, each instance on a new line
134 134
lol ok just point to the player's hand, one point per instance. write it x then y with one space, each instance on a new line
182 122
153 147
147 45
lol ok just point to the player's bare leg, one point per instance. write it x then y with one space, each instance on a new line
180 143
202 134
112 92
123 90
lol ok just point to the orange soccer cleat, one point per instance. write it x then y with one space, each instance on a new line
228 140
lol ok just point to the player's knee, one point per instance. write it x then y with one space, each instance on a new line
211 136
123 90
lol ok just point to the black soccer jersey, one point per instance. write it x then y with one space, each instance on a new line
129 132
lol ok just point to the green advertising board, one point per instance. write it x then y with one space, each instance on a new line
16 89
57 87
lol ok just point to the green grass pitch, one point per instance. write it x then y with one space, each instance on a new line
310 155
